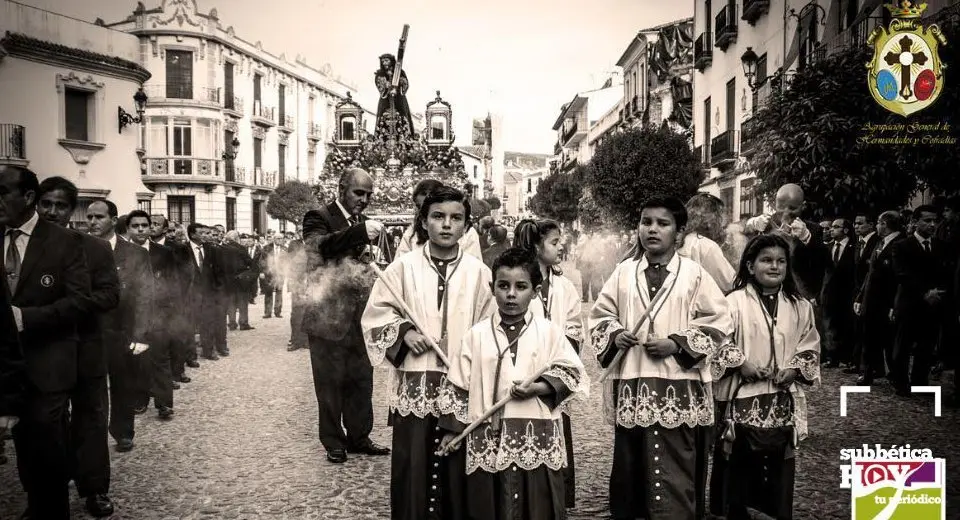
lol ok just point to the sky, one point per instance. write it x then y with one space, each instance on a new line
521 59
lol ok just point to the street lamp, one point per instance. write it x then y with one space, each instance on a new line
231 155
124 119
749 61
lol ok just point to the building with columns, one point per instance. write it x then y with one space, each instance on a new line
64 84
226 121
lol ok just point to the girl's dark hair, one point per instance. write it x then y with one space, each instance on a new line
519 257
671 204
425 186
530 233
750 254
437 196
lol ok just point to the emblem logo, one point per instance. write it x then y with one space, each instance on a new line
906 74
46 280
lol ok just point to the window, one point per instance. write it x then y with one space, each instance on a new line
78 106
159 145
706 128
282 102
529 185
311 163
726 195
348 128
203 140
257 152
78 220
258 223
283 226
708 12
731 103
281 163
438 127
256 87
145 205
179 74
182 147
228 164
228 85
180 209
749 205
231 213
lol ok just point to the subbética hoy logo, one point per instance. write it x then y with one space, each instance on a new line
895 483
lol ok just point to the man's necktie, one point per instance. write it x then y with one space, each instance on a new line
926 246
836 253
861 247
354 220
11 262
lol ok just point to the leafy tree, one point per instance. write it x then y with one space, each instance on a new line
591 215
814 132
291 201
494 202
479 208
558 196
632 166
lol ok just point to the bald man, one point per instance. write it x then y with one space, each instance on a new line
809 256
335 237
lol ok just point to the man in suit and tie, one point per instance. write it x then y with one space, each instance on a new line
270 264
183 352
918 262
335 236
838 293
88 401
157 361
874 303
126 329
49 283
241 274
206 278
867 240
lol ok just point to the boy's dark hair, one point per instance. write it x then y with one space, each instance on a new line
925 208
519 257
437 196
750 254
671 204
425 186
138 213
59 183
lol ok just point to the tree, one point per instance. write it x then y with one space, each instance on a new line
632 166
494 202
291 201
558 196
479 208
591 215
816 133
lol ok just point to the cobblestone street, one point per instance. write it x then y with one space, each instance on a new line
243 444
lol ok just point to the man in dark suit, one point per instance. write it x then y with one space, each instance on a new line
270 264
297 285
49 282
183 351
13 375
241 277
498 244
874 302
127 328
206 282
918 262
864 228
335 236
156 364
838 293
88 401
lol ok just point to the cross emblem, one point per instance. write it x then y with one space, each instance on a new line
905 58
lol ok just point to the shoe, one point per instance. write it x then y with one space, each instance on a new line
211 357
864 380
232 327
99 505
165 413
224 353
369 448
851 370
294 348
267 316
175 385
337 456
140 409
184 379
279 316
124 445
192 364
247 327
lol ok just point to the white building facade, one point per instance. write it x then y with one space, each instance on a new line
63 83
226 122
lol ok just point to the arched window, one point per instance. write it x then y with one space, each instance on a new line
348 128
438 127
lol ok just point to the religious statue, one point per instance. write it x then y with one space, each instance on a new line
393 96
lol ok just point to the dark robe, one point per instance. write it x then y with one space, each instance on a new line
384 79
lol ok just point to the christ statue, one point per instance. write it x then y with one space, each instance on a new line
392 96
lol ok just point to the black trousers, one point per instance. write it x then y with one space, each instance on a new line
877 345
180 352
297 337
43 458
343 382
272 299
90 456
917 335
238 309
213 324
157 378
126 389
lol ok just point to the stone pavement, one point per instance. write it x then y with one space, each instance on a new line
244 444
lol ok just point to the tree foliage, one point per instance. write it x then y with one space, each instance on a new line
479 208
592 216
558 196
814 133
632 166
494 202
291 201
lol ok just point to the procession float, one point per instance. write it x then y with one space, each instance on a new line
395 153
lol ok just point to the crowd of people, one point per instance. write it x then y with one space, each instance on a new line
706 333
96 324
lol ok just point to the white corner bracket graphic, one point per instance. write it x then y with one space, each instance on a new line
935 390
844 390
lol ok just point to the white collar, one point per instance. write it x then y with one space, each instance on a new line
194 245
146 245
869 236
672 266
889 238
497 319
346 214
843 243
162 241
921 239
27 227
113 242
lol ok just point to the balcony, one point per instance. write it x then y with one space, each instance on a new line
854 35
557 148
263 180
754 9
748 136
314 133
636 106
12 145
263 116
286 123
572 136
180 170
569 163
703 51
726 26
723 148
231 173
233 106
180 94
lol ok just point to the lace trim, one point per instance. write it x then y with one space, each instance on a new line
526 443
600 335
567 377
418 393
808 363
698 341
453 400
648 401
728 355
574 332
772 411
383 339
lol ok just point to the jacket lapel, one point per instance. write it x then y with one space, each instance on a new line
33 253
